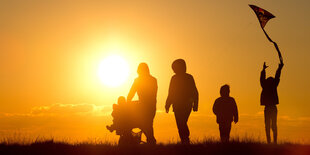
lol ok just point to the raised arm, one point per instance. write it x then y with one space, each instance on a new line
215 108
278 73
263 75
132 91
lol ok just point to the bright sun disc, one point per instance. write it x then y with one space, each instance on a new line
113 71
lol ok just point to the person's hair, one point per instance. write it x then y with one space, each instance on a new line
179 66
225 90
121 100
143 69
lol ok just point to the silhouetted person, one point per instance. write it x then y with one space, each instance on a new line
123 122
269 99
183 96
146 88
119 116
226 111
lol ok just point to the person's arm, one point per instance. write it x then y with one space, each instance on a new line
132 91
278 73
169 100
195 96
215 109
263 75
235 112
156 89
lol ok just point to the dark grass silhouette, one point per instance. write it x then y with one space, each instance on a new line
206 147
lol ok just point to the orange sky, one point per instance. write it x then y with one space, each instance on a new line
50 52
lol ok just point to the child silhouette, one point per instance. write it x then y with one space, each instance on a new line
118 114
226 111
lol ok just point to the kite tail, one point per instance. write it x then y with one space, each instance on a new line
275 45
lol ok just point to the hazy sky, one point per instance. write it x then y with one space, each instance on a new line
50 52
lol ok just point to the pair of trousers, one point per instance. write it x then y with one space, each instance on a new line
147 125
181 118
225 128
270 113
148 131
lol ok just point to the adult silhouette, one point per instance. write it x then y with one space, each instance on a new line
183 96
269 99
226 111
145 86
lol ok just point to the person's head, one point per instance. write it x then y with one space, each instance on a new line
269 80
143 69
225 90
179 66
121 100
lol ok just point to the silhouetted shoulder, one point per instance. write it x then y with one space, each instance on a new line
152 77
184 75
232 99
217 100
174 77
189 76
224 100
153 80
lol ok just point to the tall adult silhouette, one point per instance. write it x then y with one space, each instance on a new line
145 86
226 111
269 99
183 96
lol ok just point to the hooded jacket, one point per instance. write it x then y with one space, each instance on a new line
269 95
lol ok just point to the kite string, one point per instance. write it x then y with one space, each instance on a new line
275 45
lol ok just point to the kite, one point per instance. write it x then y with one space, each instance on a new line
263 17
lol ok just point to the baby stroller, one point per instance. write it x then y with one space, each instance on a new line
125 119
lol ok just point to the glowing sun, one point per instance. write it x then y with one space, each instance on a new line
113 71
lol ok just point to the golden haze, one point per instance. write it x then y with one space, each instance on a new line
50 52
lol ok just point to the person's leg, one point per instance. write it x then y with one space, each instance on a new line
224 131
274 124
181 118
148 131
227 130
146 124
267 123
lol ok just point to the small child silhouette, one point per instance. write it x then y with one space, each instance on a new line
125 118
226 111
269 98
119 110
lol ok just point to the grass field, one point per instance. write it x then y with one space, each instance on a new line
206 147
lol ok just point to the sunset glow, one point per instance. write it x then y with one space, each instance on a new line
64 63
113 71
